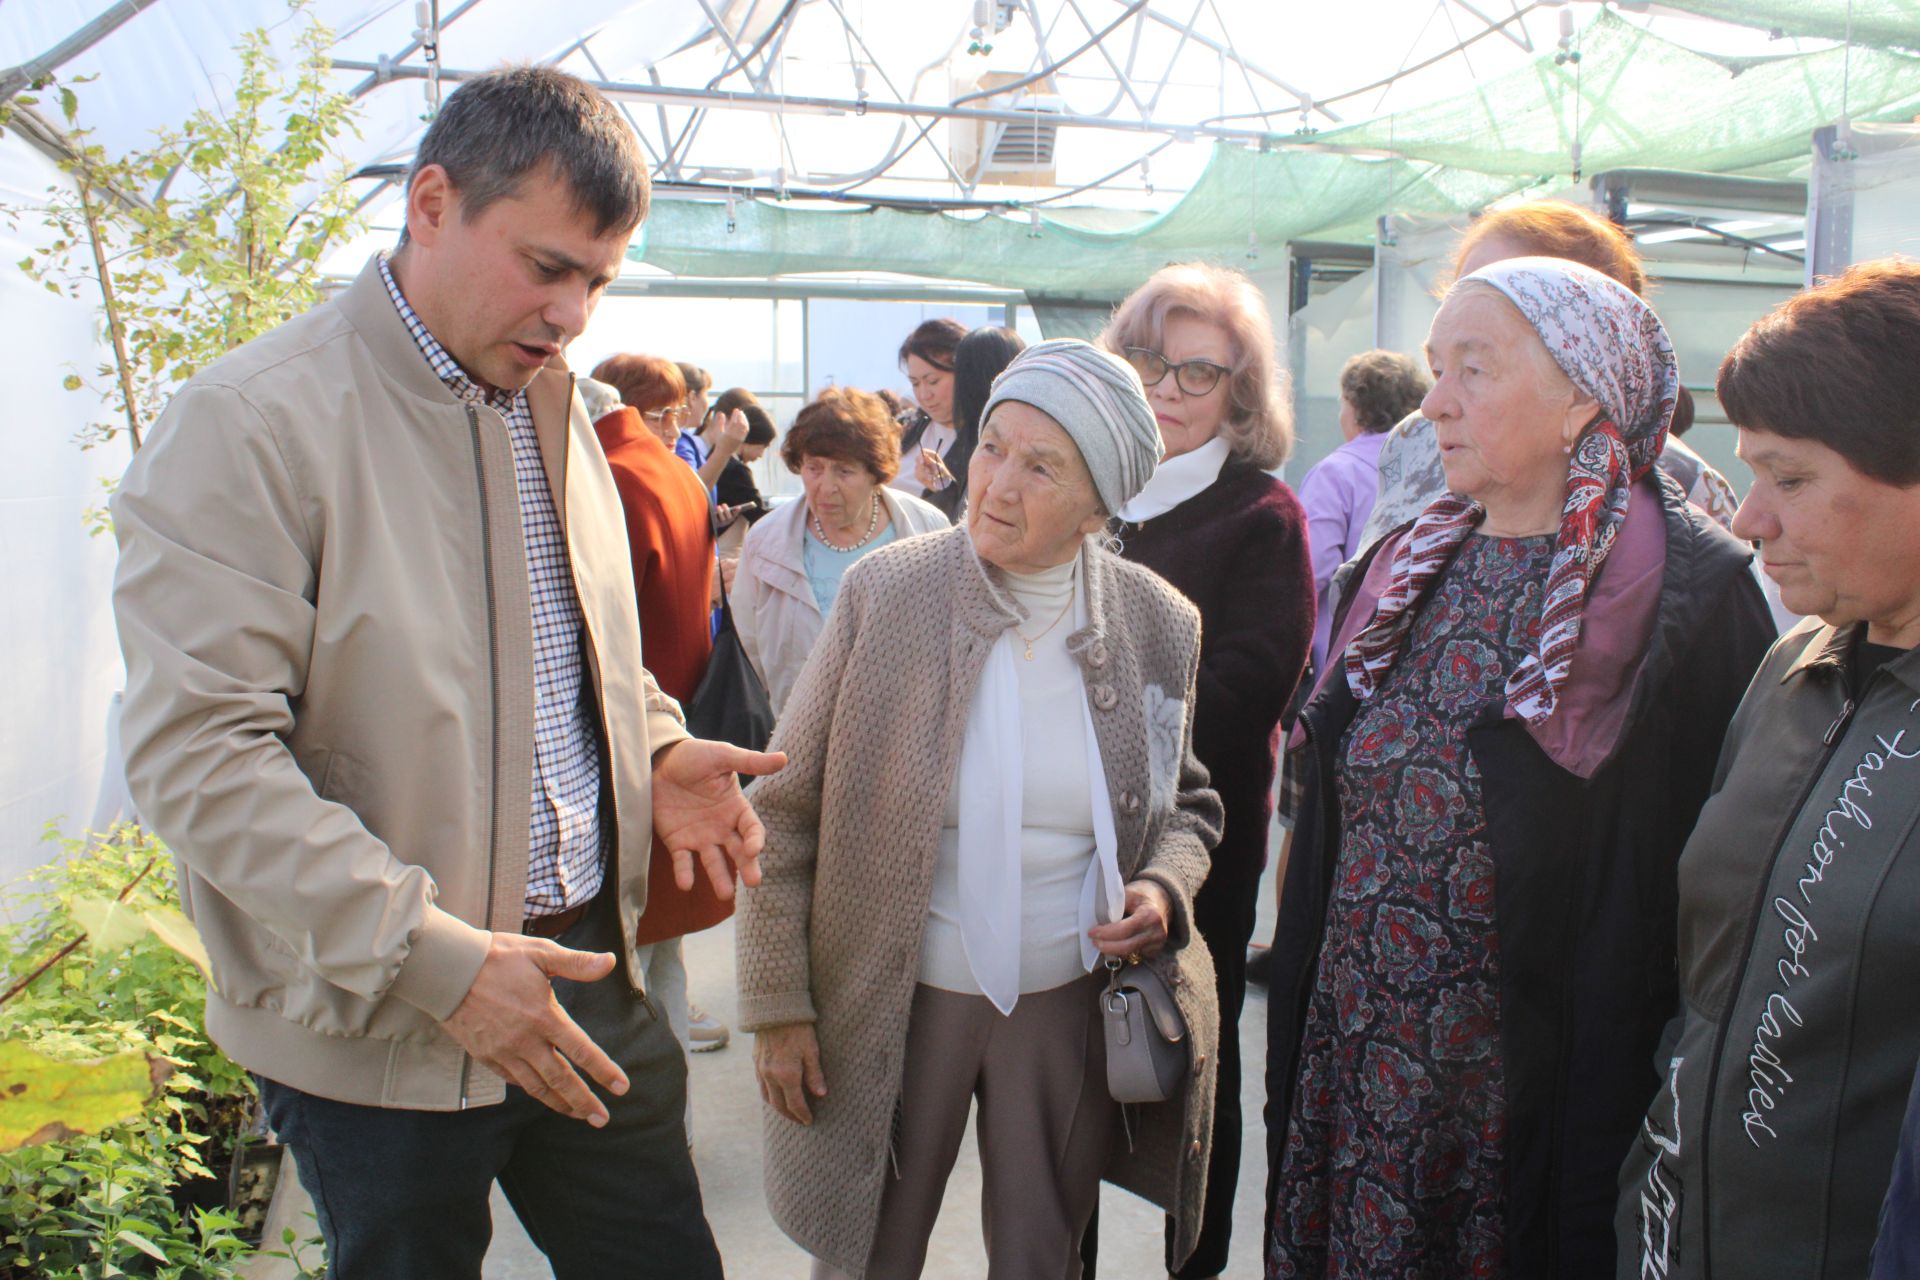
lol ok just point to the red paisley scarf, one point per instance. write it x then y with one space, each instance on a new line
1614 348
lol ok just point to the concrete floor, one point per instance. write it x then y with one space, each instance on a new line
726 1130
726 1133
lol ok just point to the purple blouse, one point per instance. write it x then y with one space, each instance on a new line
1338 495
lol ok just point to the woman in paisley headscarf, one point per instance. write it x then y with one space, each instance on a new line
1410 472
1475 951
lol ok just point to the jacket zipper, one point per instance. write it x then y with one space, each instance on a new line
1829 741
493 692
611 863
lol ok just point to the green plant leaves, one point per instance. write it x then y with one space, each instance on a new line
71 1207
208 236
114 926
174 929
110 925
44 1099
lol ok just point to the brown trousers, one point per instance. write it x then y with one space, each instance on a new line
1040 1077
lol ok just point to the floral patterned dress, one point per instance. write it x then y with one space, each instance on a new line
1393 1159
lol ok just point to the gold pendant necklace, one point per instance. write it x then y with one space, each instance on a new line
1030 641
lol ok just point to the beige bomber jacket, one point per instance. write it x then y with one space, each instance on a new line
323 602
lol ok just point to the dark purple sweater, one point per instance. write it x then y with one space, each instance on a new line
1238 550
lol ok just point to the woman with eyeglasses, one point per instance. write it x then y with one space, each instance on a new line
1232 539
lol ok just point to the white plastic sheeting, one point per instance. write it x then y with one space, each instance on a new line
59 660
1322 336
1863 193
178 55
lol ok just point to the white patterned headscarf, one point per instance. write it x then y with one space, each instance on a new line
1613 347
1097 398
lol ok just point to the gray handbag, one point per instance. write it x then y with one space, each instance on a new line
1146 1034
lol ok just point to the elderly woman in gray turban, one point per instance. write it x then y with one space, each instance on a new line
992 786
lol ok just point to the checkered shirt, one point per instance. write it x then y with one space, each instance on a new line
563 854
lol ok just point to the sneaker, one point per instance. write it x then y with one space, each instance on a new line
705 1031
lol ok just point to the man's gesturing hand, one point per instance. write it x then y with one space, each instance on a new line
700 812
511 1023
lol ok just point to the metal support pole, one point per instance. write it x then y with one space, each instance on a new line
671 95
14 79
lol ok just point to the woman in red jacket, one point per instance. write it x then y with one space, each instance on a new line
670 533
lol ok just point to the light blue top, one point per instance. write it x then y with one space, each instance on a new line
825 565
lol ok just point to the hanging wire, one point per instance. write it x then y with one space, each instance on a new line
1393 165
1846 64
1843 132
1579 104
1253 203
1387 87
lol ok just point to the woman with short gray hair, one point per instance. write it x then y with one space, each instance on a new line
992 787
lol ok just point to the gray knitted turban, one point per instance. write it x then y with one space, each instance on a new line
1097 397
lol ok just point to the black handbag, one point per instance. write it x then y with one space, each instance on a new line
731 704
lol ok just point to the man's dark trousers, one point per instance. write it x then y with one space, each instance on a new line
403 1194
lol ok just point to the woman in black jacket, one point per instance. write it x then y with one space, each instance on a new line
977 361
1771 1143
1530 683
927 432
1233 539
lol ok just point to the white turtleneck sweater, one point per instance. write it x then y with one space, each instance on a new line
1056 821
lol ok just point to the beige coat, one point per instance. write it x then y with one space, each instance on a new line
832 935
323 601
773 606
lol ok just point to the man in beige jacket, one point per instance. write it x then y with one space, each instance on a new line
386 703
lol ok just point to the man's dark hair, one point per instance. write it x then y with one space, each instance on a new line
497 129
1836 365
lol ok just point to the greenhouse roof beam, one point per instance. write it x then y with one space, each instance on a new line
14 79
1719 190
740 59
684 142
1187 33
895 152
1521 38
380 75
1119 73
723 99
1227 48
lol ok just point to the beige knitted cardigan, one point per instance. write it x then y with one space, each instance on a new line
832 935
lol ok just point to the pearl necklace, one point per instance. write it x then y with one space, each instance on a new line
873 523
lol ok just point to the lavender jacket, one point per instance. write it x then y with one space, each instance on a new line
1338 495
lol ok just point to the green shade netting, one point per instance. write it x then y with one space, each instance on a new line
1277 197
1639 101
1648 103
1886 23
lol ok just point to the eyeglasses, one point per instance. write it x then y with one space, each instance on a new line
661 415
1195 377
